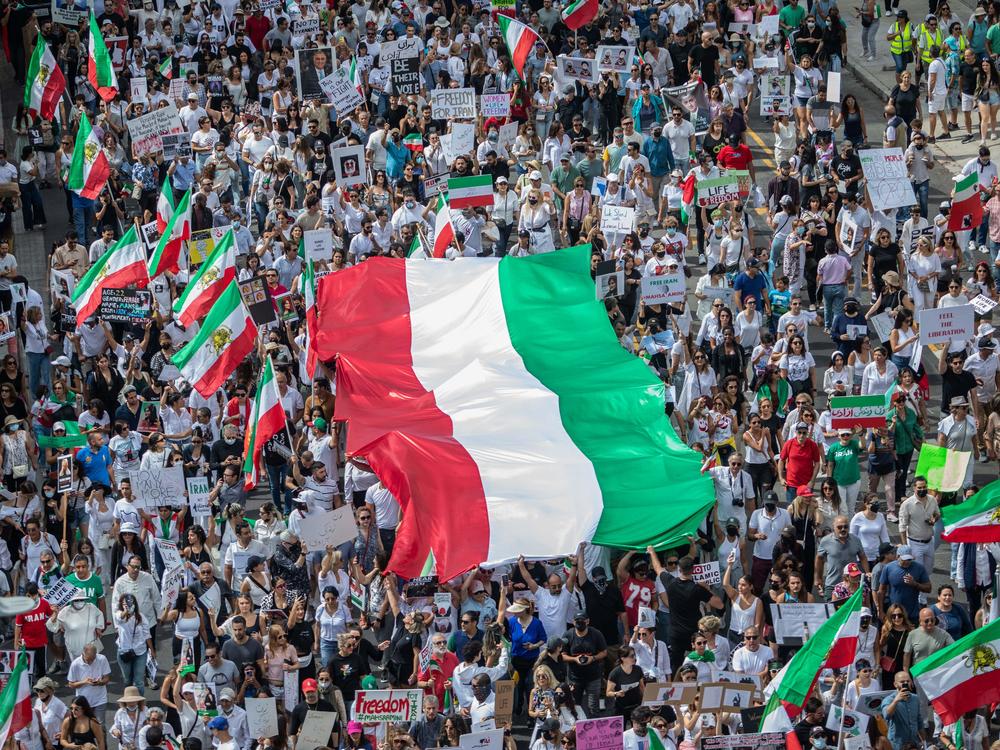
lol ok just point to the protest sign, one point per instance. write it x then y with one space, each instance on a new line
434 185
617 219
573 69
718 190
147 131
666 287
656 694
463 138
348 165
495 105
708 573
453 104
60 593
767 26
262 717
944 468
138 88
403 57
359 596
341 91
600 734
647 617
69 13
8 328
870 704
692 98
982 304
794 623
939 324
205 699
117 47
175 146
750 718
386 705
312 65
491 739
503 691
333 527
169 553
759 741
162 485
64 473
740 677
62 284
318 244
503 6
614 58
851 723
885 176
257 297
170 587
8 660
609 280
508 133
856 332
301 27
882 325
848 412
125 305
198 490
316 729
775 95
151 236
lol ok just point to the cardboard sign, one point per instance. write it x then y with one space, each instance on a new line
662 288
147 131
262 717
126 305
870 704
198 491
69 14
882 325
60 593
176 146
340 90
614 59
656 694
761 741
403 57
386 705
775 95
138 88
257 297
600 734
495 105
573 69
792 622
434 185
332 527
617 219
885 177
301 27
708 573
8 660
857 411
503 710
163 485
315 730
318 244
453 104
938 324
169 553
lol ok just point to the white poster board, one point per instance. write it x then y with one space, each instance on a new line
198 491
170 587
341 91
794 621
453 104
315 730
617 219
169 553
666 287
262 717
495 105
318 244
145 131
938 324
885 176
349 165
333 527
163 485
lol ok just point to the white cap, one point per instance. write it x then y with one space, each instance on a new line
535 175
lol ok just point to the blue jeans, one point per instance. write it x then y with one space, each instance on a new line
134 672
327 650
38 371
898 61
276 477
833 301
83 222
921 189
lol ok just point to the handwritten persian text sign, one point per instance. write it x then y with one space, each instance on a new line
938 324
857 411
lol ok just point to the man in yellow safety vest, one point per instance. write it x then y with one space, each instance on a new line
900 38
928 36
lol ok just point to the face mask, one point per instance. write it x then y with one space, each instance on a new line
229 441
671 231
811 25
732 530
325 685
819 743
922 493
801 231
660 253
770 507
850 309
50 493
494 137
236 224
532 201
718 224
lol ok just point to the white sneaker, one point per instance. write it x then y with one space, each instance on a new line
972 246
871 59
890 12
701 259
983 249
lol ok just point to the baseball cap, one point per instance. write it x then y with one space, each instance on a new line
309 684
903 552
804 491
852 569
535 175
219 722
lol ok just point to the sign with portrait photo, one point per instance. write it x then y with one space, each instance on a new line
312 66
614 59
349 165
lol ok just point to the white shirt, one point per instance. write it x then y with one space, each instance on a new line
553 610
97 695
237 556
746 661
386 506
679 134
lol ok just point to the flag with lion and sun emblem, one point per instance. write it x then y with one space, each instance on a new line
963 676
46 82
226 336
90 169
208 283
123 265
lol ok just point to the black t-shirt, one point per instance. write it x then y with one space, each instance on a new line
603 609
590 643
629 683
845 168
705 58
299 715
967 75
684 596
346 673
679 57
955 384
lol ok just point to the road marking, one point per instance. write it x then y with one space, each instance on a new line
769 159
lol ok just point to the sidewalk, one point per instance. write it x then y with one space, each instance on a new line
879 77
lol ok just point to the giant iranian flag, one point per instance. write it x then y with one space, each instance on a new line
89 170
226 336
966 205
520 40
975 520
208 284
100 71
832 646
45 82
268 419
15 700
963 676
122 265
477 398
166 256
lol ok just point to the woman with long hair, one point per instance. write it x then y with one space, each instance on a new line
988 100
890 644
134 641
81 729
902 339
189 627
923 270
279 657
747 609
541 701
